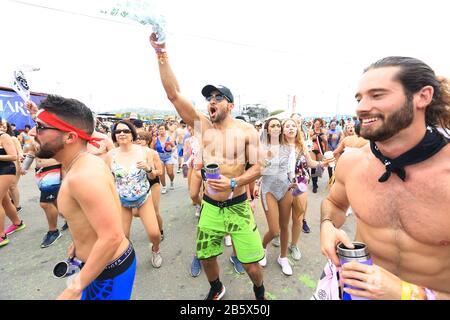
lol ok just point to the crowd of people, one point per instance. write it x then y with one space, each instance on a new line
379 165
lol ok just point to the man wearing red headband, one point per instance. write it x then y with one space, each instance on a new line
63 129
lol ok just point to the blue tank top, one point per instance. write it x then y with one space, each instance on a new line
163 153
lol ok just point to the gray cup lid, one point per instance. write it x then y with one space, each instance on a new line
360 250
212 168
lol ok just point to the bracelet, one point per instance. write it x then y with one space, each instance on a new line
162 57
149 171
327 219
412 292
160 50
430 294
406 290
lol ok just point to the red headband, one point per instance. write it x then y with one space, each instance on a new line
53 120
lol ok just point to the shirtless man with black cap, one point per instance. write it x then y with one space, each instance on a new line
230 143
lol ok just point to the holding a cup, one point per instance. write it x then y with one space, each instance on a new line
329 155
212 171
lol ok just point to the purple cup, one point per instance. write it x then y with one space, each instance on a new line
359 254
212 171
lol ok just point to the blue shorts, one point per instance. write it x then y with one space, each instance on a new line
180 149
137 203
116 281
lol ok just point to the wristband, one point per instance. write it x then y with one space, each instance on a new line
406 290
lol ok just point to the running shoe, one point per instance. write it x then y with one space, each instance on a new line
171 186
216 295
295 252
228 242
285 266
13 228
276 241
3 240
163 190
305 227
196 267
156 259
178 170
238 267
50 238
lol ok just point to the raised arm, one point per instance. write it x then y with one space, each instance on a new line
184 107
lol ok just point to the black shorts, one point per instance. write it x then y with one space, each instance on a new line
49 196
153 181
7 168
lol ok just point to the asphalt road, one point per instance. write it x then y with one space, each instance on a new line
26 269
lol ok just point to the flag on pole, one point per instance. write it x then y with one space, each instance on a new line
20 85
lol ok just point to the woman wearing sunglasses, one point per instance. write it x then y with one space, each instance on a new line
132 167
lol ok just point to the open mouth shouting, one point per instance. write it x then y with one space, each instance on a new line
212 112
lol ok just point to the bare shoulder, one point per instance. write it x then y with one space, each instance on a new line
244 126
89 170
350 160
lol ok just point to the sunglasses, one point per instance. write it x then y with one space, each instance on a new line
218 98
119 131
39 128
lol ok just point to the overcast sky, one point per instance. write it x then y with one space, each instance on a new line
264 51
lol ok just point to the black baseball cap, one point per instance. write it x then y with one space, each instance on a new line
206 91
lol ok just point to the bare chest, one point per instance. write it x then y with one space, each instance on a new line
420 206
224 147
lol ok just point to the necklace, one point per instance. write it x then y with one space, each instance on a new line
74 159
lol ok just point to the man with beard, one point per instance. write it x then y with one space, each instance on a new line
88 200
398 186
230 144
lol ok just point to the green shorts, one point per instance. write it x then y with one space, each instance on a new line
233 217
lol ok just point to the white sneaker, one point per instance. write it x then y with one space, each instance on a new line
179 170
295 252
228 241
263 261
156 258
276 241
171 185
197 210
163 190
285 266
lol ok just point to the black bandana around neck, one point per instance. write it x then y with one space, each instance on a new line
431 143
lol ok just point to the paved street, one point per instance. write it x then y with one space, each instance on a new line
26 269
